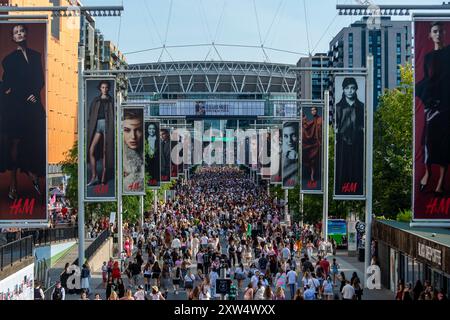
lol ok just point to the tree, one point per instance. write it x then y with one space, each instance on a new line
130 204
393 161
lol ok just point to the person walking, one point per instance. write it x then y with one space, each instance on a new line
348 292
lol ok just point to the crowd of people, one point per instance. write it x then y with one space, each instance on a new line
221 225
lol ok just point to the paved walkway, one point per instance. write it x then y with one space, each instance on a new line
348 266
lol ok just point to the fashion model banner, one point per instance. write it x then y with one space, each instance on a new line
100 128
152 154
264 154
275 157
23 124
349 151
174 166
165 155
312 149
290 154
431 199
133 151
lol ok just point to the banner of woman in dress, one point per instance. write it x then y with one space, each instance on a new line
152 154
312 149
349 151
23 124
431 200
100 129
133 151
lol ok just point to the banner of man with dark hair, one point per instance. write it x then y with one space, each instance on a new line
152 154
290 154
312 148
431 200
133 151
349 172
23 123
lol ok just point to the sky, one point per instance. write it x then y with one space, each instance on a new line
277 24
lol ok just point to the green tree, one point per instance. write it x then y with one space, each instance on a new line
393 148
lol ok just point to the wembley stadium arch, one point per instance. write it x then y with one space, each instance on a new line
222 95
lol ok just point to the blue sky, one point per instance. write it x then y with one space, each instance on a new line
282 25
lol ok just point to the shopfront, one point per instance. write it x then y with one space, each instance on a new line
412 254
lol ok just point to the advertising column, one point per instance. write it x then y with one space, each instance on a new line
100 129
152 151
431 200
349 164
290 154
312 149
133 151
23 124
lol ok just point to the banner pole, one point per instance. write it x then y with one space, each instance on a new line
81 153
369 167
142 211
326 164
120 175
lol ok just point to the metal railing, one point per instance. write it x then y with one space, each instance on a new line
95 245
43 237
16 251
41 273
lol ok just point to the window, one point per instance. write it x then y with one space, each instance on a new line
399 60
350 37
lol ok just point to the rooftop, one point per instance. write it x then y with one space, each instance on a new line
442 236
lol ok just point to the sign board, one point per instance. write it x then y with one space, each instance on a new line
223 286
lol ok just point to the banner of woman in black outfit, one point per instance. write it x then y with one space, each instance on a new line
152 154
349 173
23 125
100 173
432 119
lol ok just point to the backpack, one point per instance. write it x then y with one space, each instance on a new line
57 294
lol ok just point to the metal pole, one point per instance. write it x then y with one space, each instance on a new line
81 145
369 166
119 175
155 199
326 113
142 211
286 202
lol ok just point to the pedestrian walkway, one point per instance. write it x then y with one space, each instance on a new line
69 257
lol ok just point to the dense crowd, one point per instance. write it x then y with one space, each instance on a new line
222 226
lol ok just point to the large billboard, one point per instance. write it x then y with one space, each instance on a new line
290 154
100 143
165 154
432 119
349 126
312 148
23 122
133 151
275 157
152 151
173 165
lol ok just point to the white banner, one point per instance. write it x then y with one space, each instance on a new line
212 108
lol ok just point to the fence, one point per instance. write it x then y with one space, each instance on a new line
16 251
95 245
43 237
